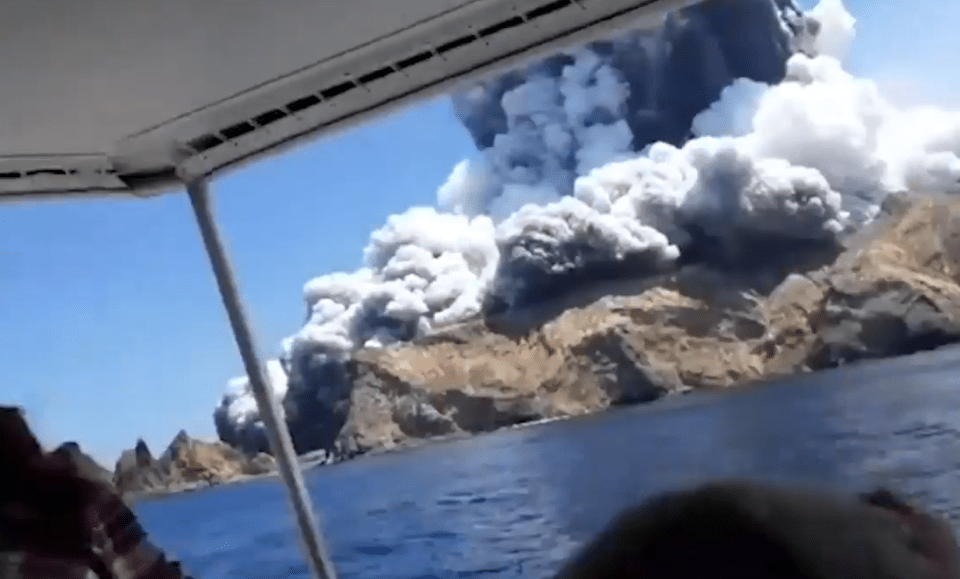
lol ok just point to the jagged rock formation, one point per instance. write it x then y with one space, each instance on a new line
137 470
893 291
893 288
187 463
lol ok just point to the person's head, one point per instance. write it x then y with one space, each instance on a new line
43 500
930 535
736 529
19 446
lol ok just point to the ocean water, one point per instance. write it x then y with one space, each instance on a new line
515 503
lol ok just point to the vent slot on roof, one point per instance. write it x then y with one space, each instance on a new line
339 89
548 9
455 44
58 172
414 60
205 142
376 75
303 103
60 177
268 117
238 130
501 26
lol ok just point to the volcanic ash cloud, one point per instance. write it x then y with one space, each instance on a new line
621 158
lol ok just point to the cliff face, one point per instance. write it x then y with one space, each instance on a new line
893 289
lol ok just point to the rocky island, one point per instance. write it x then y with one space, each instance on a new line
704 206
890 290
187 464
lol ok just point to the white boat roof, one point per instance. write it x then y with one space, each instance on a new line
137 96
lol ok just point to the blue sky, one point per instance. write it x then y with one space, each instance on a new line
110 324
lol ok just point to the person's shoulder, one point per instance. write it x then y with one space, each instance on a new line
735 528
16 564
123 543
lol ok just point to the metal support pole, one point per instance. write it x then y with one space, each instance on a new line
277 431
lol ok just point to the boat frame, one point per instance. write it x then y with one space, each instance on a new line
186 158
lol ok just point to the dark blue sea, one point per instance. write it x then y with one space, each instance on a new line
515 503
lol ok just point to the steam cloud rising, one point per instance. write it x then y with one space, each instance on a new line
734 122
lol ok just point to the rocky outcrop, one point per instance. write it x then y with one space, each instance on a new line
186 464
138 471
893 291
893 288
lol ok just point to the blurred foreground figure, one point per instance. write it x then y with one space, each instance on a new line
740 530
57 524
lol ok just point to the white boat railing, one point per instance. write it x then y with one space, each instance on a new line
288 465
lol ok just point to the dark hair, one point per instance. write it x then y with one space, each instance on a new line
43 499
741 529
883 497
19 446
929 535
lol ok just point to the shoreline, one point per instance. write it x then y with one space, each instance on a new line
310 463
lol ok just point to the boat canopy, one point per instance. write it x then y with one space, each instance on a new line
140 98
137 97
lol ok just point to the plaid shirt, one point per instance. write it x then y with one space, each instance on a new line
120 549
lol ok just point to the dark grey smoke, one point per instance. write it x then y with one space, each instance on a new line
251 437
673 74
316 415
536 269
653 85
